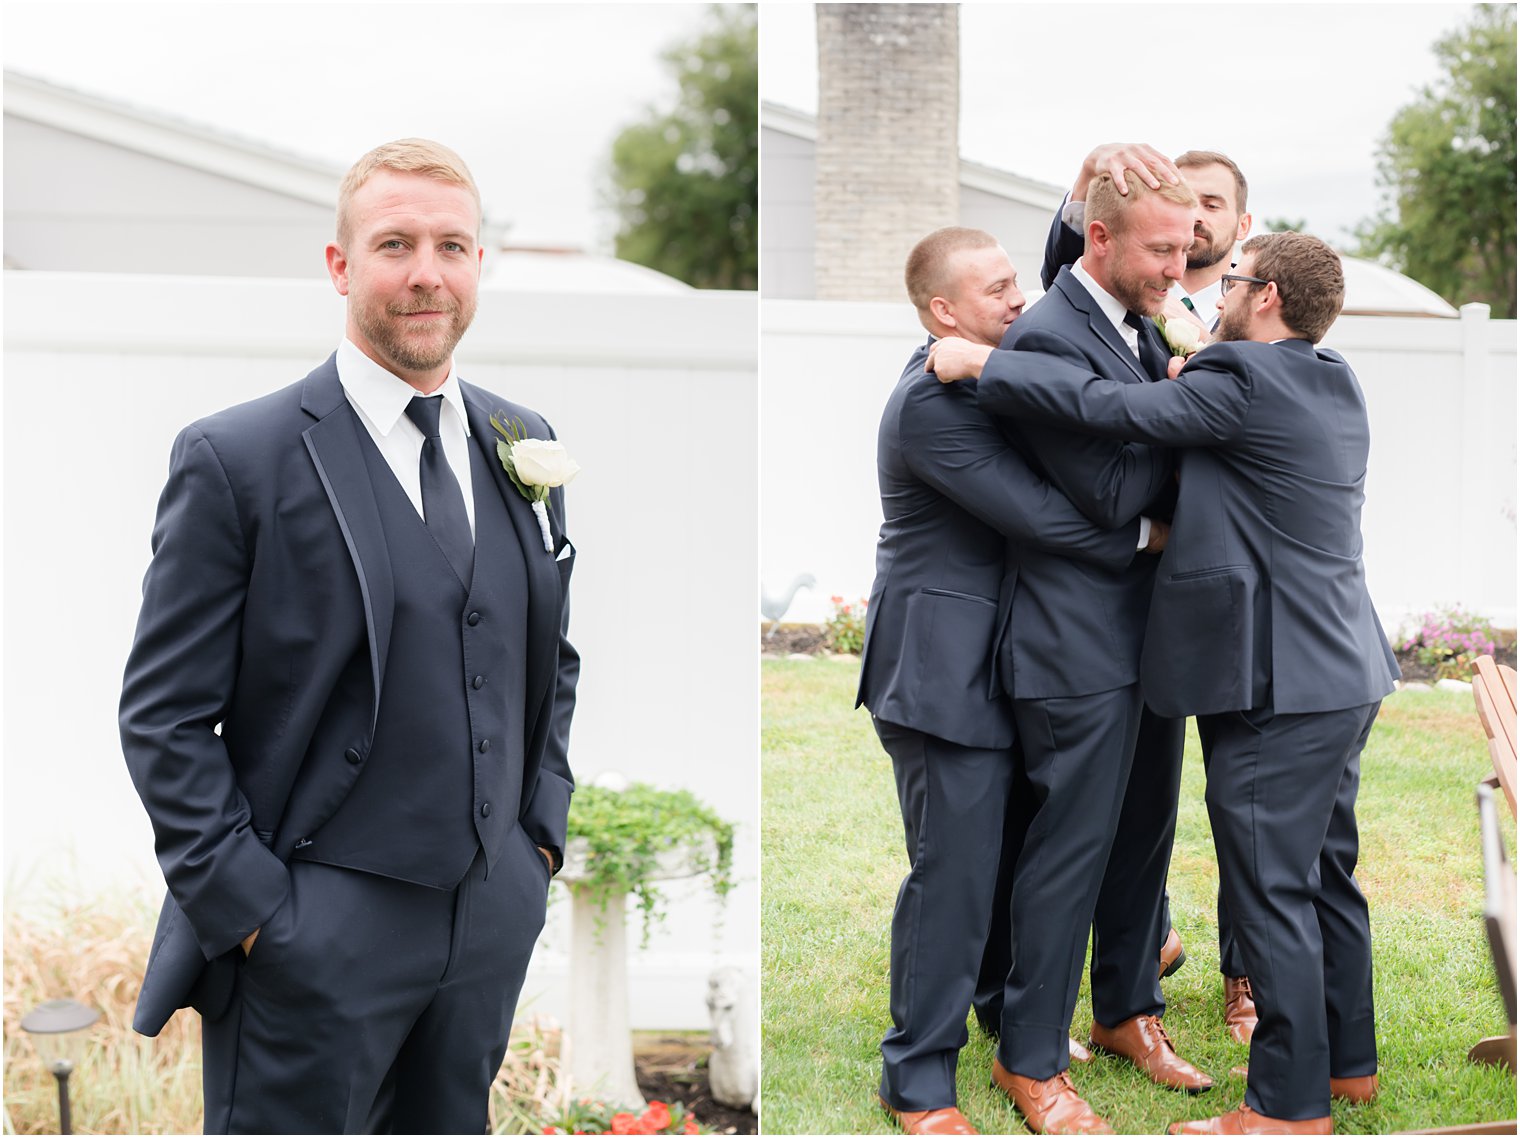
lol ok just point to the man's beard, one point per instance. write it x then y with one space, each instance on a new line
1233 325
1206 255
430 349
1133 292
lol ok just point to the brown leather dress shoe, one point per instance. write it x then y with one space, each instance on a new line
1239 1008
1172 956
945 1120
1244 1120
1049 1106
1359 1089
1144 1042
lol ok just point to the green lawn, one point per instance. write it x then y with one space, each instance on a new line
833 857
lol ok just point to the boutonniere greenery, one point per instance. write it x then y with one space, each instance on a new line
535 467
1182 336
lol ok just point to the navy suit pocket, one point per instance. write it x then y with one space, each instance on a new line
1200 644
948 638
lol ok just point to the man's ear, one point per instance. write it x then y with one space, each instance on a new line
940 309
337 267
1243 230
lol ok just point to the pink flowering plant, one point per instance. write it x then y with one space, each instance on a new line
845 631
1449 641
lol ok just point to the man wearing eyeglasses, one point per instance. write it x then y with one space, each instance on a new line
1262 627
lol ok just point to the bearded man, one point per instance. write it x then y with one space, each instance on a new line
347 705
1069 658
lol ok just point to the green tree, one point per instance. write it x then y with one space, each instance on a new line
1448 165
685 181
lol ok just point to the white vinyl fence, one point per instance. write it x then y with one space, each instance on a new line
1439 520
654 395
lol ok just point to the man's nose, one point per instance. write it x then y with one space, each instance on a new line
1176 264
424 272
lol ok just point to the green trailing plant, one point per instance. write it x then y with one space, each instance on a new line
626 831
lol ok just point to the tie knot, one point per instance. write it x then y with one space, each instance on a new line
424 411
1134 321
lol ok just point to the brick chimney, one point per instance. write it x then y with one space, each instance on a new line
888 155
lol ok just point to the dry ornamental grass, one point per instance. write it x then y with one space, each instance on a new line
129 1084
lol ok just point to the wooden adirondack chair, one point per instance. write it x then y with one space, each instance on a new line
1494 693
1499 922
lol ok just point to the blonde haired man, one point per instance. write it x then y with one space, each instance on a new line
347 705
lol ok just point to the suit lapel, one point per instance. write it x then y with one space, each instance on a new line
1102 327
334 445
545 603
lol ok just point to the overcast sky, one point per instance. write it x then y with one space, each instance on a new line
1297 94
531 95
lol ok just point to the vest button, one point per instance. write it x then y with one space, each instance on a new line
478 683
473 618
485 809
353 756
485 745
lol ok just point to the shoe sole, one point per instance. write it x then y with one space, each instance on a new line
1176 964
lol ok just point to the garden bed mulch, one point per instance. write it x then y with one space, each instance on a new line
673 1068
810 640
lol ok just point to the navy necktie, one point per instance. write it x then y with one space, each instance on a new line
442 500
1153 358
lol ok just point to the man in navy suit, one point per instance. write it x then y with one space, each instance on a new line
954 494
1262 627
347 705
1070 660
1220 222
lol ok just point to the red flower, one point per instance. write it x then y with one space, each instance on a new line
657 1117
624 1123
691 1125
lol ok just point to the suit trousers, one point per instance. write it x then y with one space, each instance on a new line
1077 753
1282 804
370 1005
1127 922
1124 982
952 800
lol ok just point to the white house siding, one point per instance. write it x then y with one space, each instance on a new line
78 204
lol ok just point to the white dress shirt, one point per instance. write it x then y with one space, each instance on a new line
1114 309
381 398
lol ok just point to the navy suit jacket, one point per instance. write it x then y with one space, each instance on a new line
954 494
269 574
1260 599
1075 629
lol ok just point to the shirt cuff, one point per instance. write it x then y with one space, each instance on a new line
1145 524
1073 215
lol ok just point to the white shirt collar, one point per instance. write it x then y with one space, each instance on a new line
1205 301
1112 307
382 395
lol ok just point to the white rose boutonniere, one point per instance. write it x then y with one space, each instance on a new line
535 466
1182 336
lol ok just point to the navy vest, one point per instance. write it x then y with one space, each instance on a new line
443 775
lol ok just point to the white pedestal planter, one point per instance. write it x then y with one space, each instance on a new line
598 1039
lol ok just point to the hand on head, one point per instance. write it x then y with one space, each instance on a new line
1113 158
